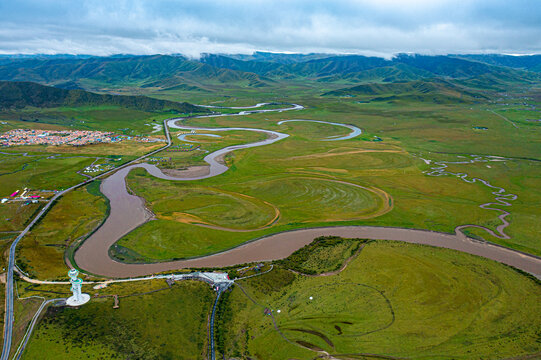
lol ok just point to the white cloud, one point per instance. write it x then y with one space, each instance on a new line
381 27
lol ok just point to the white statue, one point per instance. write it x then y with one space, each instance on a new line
78 298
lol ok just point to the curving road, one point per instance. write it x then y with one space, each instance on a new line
8 315
93 255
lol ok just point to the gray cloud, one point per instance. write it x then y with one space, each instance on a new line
377 27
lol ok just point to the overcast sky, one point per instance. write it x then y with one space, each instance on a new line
369 27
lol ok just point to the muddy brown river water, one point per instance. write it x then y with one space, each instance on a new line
128 212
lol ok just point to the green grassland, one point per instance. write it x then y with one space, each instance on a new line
170 324
129 149
207 206
104 118
35 172
394 299
41 172
285 203
511 176
323 255
290 175
24 310
300 176
14 216
183 159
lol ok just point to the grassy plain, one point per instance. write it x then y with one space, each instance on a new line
104 118
325 255
290 174
204 145
24 309
167 324
238 212
35 172
40 172
394 299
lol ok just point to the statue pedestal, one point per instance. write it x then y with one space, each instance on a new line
72 301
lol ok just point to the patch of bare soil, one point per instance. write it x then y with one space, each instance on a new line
192 171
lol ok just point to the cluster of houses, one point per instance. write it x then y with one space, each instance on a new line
98 168
26 195
56 137
64 137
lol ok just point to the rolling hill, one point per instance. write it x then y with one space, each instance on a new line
434 90
524 62
362 68
23 94
135 70
259 70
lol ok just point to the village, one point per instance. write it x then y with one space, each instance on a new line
28 196
64 137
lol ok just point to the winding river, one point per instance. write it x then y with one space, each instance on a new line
501 196
355 131
128 212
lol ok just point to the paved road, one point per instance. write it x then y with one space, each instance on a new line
211 340
220 288
265 249
44 304
8 317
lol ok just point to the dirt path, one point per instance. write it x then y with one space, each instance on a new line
503 117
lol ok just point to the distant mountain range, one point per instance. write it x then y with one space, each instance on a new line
23 94
169 72
374 69
438 91
132 70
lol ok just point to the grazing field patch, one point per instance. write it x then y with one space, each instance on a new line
144 327
394 299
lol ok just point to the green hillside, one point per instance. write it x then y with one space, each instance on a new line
362 68
260 70
24 94
136 70
430 90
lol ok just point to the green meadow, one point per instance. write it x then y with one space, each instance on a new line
393 300
339 298
171 324
303 174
